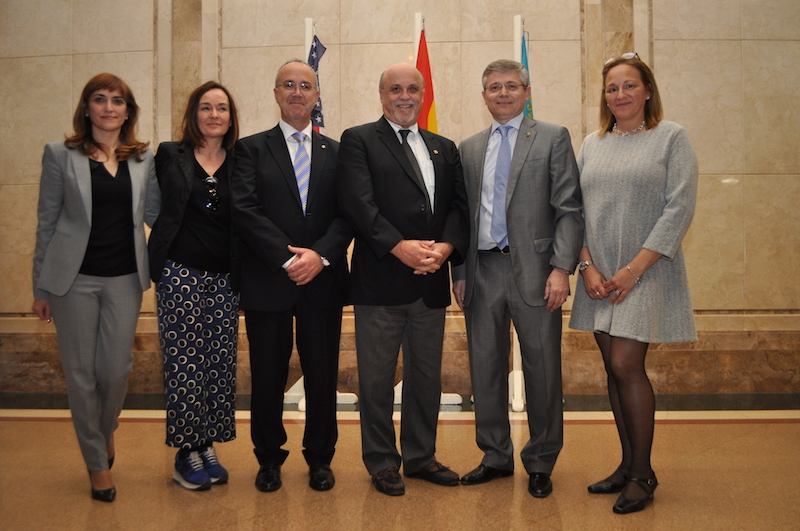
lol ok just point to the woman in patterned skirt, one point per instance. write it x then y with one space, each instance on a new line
190 262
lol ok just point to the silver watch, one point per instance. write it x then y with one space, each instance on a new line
583 265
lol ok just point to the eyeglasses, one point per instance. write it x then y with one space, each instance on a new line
291 85
510 87
628 55
212 201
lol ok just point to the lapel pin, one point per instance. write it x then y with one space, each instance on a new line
435 151
323 146
528 133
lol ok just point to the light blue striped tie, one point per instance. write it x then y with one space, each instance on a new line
499 230
302 169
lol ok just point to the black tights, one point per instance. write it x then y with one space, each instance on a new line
633 404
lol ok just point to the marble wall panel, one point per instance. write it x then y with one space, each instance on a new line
249 73
448 92
714 246
17 240
39 28
770 19
544 19
772 220
708 20
41 113
771 106
360 101
112 26
365 21
267 23
703 93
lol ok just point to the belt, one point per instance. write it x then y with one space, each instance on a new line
504 250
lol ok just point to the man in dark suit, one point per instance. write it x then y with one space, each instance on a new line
401 189
526 231
291 267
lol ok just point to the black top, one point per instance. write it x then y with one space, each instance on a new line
204 238
110 251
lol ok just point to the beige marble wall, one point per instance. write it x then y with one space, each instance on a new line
728 70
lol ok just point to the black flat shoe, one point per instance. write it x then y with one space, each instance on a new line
625 505
607 486
107 495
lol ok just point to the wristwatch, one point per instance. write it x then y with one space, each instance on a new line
583 265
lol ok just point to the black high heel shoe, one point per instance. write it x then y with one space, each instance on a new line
107 495
625 505
607 486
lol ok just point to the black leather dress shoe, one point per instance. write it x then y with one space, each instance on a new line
106 495
437 473
539 485
320 477
269 477
484 474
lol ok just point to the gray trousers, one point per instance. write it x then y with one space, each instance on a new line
496 301
95 325
380 330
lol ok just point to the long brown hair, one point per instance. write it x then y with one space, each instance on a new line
83 140
653 111
191 131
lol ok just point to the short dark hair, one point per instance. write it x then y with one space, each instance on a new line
82 137
191 130
653 110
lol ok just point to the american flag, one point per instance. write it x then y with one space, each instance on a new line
314 55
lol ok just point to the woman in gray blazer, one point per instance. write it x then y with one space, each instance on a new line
97 189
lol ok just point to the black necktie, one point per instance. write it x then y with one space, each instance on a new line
413 159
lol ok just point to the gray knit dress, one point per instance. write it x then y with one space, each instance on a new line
639 192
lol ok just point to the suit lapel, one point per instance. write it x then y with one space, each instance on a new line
525 138
138 175
276 143
477 161
83 177
389 138
319 154
186 161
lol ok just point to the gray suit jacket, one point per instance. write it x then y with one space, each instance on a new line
65 215
543 206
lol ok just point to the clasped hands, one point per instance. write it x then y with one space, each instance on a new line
617 287
423 256
306 265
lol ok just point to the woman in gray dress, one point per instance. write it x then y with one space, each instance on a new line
639 182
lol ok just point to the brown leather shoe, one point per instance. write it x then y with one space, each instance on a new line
389 482
435 472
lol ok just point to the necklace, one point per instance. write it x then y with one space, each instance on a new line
631 132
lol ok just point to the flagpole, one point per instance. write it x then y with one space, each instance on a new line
309 36
516 379
518 23
419 25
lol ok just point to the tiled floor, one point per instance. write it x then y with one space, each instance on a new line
722 470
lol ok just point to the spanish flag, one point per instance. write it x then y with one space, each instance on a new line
427 117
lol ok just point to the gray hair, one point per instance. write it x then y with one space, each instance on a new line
506 65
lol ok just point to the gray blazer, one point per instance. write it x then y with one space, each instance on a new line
543 206
65 215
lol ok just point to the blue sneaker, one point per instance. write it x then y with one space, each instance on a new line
215 471
189 472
